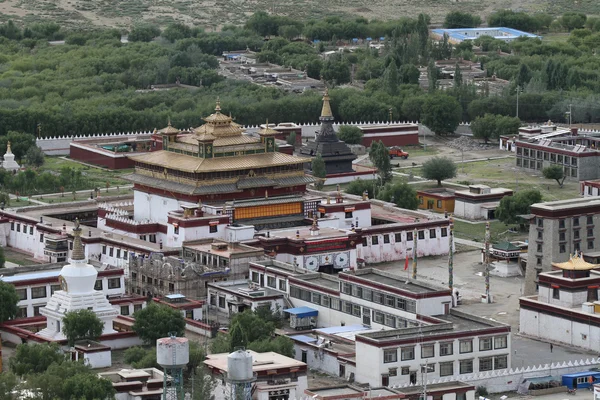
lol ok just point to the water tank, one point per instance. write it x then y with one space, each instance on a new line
239 366
172 352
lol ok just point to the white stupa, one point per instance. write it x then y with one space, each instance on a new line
9 162
77 280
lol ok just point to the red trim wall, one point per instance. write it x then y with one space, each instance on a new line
431 338
571 315
104 160
557 151
244 194
114 273
365 282
402 139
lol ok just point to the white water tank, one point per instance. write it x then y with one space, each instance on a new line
239 366
172 352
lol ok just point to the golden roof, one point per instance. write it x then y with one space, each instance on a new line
187 163
576 263
169 129
267 130
205 137
326 110
219 141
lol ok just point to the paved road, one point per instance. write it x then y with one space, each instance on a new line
471 243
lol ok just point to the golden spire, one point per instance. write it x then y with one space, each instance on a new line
78 253
8 150
326 110
169 122
218 106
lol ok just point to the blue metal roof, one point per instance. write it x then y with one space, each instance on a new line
460 33
304 338
302 312
580 374
340 329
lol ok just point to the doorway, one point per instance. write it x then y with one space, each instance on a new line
413 377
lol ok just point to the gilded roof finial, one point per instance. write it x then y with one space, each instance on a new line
326 110
78 253
8 150
169 121
218 106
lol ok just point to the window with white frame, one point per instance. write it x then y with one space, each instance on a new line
271 281
466 346
38 292
378 317
283 287
446 349
447 369
427 351
500 342
485 344
501 362
390 355
466 366
486 364
408 353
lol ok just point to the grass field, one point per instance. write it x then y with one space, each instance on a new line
504 173
476 232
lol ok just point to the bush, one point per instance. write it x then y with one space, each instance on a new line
481 391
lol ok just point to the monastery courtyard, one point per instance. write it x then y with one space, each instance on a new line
469 281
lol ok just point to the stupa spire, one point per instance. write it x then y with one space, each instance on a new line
78 252
218 106
8 150
326 110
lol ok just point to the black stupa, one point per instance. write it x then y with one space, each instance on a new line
337 155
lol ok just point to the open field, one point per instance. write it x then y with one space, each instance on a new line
213 15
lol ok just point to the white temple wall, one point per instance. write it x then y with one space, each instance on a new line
23 237
100 359
152 207
320 360
362 216
556 329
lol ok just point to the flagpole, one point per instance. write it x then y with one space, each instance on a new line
414 265
451 256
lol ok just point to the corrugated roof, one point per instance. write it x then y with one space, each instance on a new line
163 183
294 180
254 182
576 263
187 163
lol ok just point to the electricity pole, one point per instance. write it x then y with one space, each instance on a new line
451 258
518 90
487 262
414 271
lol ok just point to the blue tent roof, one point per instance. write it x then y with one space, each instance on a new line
355 39
382 38
369 38
302 312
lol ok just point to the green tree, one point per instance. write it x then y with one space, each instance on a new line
457 19
281 345
433 74
493 126
19 143
70 380
439 169
157 321
441 113
402 194
511 207
336 70
203 384
82 325
359 186
220 344
8 298
291 140
134 354
409 74
237 336
34 358
573 20
458 79
35 156
555 172
390 79
143 33
380 158
319 171
412 106
350 134
8 384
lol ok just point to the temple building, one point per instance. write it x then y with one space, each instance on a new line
566 310
217 163
336 154
77 281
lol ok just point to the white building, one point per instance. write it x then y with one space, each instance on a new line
77 281
566 309
449 345
136 384
277 376
478 202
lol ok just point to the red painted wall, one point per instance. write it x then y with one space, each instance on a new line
91 157
397 140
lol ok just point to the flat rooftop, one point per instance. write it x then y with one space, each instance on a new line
417 389
567 204
455 321
324 393
260 361
319 279
243 288
223 249
394 281
305 233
